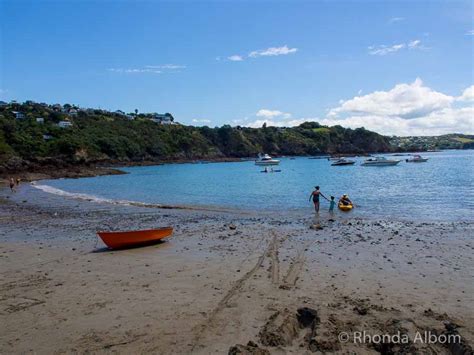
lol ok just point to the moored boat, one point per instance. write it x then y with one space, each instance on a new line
120 240
417 159
265 160
343 162
380 161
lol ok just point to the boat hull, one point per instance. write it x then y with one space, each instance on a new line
345 163
120 240
267 163
385 163
345 208
417 160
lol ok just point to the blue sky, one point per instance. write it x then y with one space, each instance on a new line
332 61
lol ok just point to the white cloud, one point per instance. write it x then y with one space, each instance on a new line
414 44
406 109
195 120
276 123
396 19
153 69
268 52
235 58
404 100
384 49
448 120
467 95
272 113
134 70
272 51
274 118
470 33
166 66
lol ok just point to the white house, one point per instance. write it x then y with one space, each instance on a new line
73 112
65 124
40 120
47 137
18 115
167 118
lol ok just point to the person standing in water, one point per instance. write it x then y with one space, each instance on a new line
332 204
315 196
12 185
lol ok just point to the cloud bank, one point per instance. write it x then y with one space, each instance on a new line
405 110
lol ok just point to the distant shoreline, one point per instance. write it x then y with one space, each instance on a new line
113 167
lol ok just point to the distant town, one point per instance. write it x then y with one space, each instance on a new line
68 113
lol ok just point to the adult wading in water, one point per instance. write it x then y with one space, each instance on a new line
315 196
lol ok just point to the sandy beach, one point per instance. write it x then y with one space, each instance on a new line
228 282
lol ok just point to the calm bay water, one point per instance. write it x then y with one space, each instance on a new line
441 189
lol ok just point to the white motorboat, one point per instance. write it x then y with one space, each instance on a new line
343 162
266 160
380 161
417 159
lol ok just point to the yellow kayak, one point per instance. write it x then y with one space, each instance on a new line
345 208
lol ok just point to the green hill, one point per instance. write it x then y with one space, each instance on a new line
30 136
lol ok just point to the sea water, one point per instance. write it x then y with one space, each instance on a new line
440 189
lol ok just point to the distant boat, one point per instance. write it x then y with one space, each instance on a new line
319 157
343 162
417 159
120 240
380 161
266 160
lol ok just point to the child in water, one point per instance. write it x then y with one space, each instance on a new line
332 204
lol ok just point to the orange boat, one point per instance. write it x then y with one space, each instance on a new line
119 240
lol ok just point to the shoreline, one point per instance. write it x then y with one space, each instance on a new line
112 167
224 279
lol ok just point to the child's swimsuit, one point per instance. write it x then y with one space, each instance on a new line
331 205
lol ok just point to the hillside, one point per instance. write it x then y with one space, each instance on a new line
447 141
31 136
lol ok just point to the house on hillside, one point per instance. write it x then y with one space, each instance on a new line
72 112
65 124
40 120
166 118
19 115
47 137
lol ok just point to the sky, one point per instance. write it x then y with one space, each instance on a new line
395 67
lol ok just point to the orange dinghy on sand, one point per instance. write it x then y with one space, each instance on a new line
120 240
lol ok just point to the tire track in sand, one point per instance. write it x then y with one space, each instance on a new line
234 290
294 270
274 259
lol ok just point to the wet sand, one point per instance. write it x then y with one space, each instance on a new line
225 279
